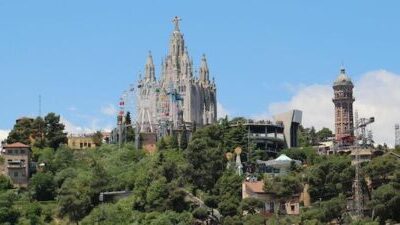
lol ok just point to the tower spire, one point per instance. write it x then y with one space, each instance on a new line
204 72
176 22
149 69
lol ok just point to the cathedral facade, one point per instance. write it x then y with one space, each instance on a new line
180 98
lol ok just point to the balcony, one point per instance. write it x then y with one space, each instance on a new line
16 164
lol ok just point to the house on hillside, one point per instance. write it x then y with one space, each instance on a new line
272 204
17 158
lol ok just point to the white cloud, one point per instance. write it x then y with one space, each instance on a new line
222 111
377 94
3 134
109 110
72 109
75 129
93 126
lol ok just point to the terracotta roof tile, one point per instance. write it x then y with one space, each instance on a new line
255 187
16 145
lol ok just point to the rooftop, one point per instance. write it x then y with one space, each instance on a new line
255 186
16 145
343 79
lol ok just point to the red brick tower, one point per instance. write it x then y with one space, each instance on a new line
343 100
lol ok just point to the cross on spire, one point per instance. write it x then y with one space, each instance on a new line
176 22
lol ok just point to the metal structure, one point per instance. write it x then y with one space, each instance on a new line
363 136
397 135
361 142
356 123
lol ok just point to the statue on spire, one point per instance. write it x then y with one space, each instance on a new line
176 22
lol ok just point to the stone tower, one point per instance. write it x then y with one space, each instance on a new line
179 98
343 100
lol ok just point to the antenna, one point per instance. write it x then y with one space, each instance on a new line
40 105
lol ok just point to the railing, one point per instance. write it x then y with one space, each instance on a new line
16 165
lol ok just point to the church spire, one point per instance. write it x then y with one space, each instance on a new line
177 44
176 22
149 69
186 65
204 72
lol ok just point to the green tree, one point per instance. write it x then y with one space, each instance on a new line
313 136
253 219
324 134
33 213
21 132
200 213
331 177
54 131
381 168
304 136
205 158
306 155
74 198
284 187
109 214
38 132
228 206
42 186
326 212
228 188
386 202
176 200
97 138
232 220
161 145
5 183
8 214
236 137
211 201
157 194
130 132
252 205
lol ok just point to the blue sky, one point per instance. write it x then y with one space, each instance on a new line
80 55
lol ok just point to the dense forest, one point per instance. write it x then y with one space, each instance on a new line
189 184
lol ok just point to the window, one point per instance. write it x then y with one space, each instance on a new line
89 145
292 208
16 174
22 151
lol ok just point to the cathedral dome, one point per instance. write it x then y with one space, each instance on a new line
343 79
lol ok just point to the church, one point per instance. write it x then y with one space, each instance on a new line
181 97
